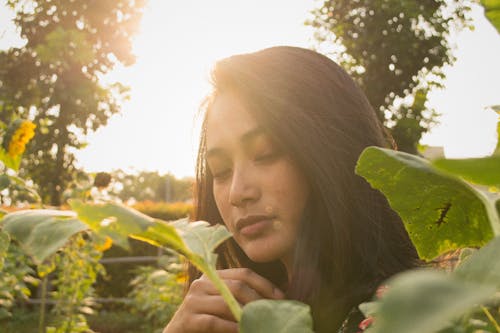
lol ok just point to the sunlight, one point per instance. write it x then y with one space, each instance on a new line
179 42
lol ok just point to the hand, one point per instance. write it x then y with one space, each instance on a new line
204 310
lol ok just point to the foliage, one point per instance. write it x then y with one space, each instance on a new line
433 205
40 232
116 283
163 210
72 242
77 269
118 321
22 320
15 278
26 320
151 186
276 317
134 189
492 12
156 293
54 78
395 50
432 300
196 241
441 212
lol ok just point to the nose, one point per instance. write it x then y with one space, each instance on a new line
244 187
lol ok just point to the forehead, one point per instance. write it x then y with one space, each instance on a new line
227 120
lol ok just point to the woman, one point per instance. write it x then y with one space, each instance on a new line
282 132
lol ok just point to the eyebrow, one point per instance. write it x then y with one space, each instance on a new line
245 139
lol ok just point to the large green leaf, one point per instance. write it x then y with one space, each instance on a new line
201 238
440 212
426 301
492 12
484 171
41 233
272 316
482 266
197 241
4 245
112 219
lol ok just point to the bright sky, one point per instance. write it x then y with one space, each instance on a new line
180 40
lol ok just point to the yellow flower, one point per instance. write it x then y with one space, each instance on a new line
104 245
22 135
181 278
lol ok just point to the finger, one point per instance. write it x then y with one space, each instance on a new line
202 323
261 285
207 323
212 305
242 292
203 286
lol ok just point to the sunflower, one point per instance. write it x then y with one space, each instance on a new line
19 133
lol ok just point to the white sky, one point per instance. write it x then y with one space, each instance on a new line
180 40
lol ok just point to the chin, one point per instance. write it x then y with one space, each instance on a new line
261 254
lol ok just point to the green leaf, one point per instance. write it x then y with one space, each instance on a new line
9 161
483 171
4 245
162 234
272 316
432 204
112 219
369 309
492 12
41 233
4 181
196 241
483 266
426 301
201 238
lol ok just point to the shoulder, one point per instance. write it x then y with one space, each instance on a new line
353 321
356 321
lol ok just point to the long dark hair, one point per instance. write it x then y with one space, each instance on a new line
350 239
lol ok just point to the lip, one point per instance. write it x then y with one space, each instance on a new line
253 225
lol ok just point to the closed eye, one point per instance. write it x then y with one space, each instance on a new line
266 157
220 175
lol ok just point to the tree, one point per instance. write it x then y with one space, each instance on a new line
395 50
150 185
54 79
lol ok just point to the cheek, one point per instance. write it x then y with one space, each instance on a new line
293 194
222 202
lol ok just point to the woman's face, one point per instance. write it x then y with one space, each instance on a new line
260 193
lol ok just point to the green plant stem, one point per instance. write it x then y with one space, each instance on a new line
41 321
490 317
226 294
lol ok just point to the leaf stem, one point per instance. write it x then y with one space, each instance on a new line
226 294
491 318
41 320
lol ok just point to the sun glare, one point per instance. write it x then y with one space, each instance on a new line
179 42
